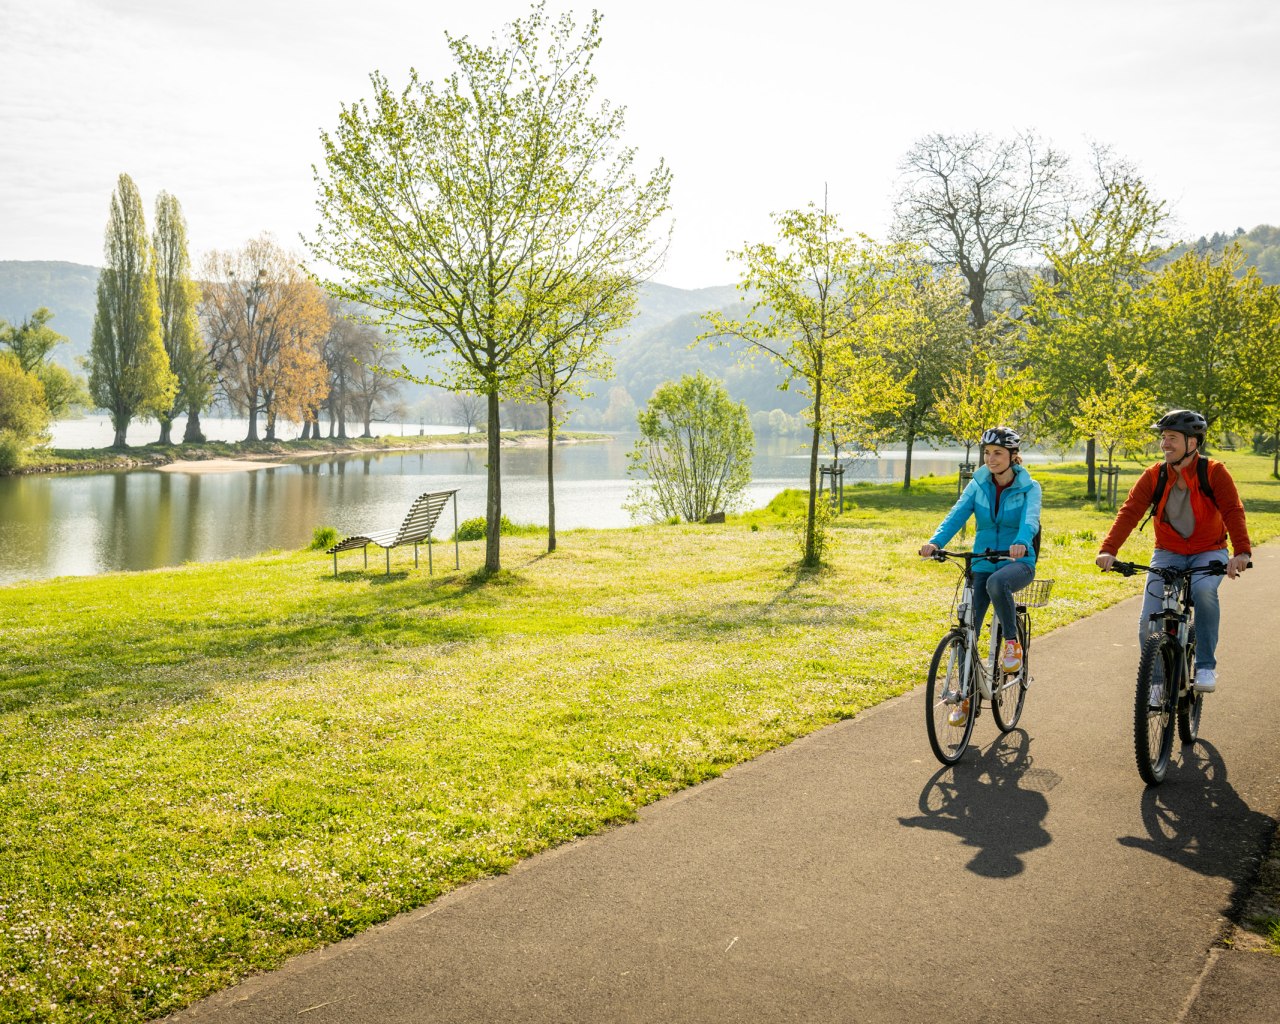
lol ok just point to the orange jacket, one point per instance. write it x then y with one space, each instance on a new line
1213 522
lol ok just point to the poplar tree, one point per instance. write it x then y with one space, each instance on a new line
129 372
179 326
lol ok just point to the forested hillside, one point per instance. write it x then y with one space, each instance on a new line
656 347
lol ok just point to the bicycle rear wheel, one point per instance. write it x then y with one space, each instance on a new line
947 689
1153 706
1008 692
1192 704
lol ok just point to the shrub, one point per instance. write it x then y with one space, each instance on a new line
323 538
823 514
693 455
474 529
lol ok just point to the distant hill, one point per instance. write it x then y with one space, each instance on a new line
69 289
1261 248
653 349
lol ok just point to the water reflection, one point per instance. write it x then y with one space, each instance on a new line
55 525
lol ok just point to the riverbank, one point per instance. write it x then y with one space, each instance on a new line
258 454
211 768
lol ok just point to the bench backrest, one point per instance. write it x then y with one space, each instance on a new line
423 516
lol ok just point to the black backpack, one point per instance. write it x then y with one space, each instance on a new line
1162 481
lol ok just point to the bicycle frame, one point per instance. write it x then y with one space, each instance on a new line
977 669
962 677
1165 690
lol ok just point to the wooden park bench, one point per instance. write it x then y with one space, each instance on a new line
416 529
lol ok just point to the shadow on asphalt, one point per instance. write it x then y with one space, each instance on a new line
1197 820
996 803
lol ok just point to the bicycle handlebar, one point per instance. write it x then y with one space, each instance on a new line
1169 574
941 555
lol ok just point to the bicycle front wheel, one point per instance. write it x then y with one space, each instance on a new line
1192 704
949 701
1153 706
1010 691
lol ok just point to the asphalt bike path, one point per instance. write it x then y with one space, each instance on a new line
847 877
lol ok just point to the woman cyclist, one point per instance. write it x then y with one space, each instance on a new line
1005 504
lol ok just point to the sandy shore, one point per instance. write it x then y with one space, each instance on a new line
215 466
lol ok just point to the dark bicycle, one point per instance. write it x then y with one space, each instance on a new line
960 677
1166 670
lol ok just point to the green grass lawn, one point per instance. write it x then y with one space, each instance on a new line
211 768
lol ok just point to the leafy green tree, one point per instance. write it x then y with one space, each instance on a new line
1261 351
928 339
1094 304
179 296
465 215
24 416
695 449
819 299
567 355
1205 311
983 394
1119 417
129 371
32 341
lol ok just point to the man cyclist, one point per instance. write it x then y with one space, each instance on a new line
1193 522
1005 504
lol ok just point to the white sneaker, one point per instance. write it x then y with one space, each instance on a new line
1206 680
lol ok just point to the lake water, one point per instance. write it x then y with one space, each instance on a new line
81 524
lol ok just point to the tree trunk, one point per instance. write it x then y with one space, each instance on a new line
906 467
193 434
122 428
1275 457
1091 458
493 501
166 432
551 479
810 557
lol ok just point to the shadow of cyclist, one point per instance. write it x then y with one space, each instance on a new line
1198 820
996 803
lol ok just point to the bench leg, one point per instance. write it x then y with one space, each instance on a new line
415 554
430 564
335 565
388 561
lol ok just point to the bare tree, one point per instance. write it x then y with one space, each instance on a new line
371 389
265 323
469 408
986 206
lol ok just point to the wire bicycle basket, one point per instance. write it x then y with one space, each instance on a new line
1035 594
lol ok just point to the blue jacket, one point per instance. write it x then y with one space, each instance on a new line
1016 522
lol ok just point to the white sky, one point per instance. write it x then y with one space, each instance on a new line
753 104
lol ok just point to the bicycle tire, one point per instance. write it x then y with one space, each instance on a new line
1010 692
1153 722
946 673
1191 706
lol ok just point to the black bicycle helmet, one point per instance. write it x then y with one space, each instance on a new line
1003 437
1184 421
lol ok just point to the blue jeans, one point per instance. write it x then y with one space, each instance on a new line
997 588
1204 596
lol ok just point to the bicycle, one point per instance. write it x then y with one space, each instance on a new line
1166 670
960 676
